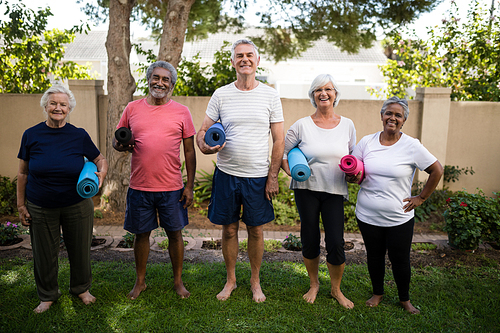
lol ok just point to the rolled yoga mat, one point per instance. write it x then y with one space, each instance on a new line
88 183
124 136
299 168
215 135
352 166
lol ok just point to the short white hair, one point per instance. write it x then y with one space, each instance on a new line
320 81
243 41
58 89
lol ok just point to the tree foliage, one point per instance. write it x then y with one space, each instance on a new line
290 26
205 16
193 78
30 56
464 56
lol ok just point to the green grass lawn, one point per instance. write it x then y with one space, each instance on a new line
461 299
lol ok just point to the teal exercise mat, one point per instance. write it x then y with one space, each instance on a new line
88 183
215 135
299 169
124 136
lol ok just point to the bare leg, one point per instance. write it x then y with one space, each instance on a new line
230 253
336 272
255 253
409 307
374 300
176 251
87 298
141 254
42 307
312 266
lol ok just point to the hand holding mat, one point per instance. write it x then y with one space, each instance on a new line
215 135
352 166
88 183
124 136
299 169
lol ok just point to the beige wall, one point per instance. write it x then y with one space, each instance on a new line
458 133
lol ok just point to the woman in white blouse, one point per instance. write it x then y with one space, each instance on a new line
385 207
324 138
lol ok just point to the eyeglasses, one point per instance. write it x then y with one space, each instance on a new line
327 90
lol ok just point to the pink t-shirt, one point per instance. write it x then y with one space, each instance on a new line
158 131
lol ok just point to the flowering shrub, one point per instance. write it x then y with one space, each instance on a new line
471 218
9 233
457 54
292 243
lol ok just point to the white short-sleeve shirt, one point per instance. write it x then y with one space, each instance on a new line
246 117
323 149
389 172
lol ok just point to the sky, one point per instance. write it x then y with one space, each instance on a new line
67 13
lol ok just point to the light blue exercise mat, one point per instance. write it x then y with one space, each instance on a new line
215 135
298 165
88 183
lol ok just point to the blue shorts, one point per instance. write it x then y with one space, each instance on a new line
142 209
229 193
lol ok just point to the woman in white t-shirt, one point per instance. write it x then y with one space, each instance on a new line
385 207
324 138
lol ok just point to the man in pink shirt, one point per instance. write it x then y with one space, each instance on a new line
158 125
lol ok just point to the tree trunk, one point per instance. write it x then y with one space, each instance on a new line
121 86
174 31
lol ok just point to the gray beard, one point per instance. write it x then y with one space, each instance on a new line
157 94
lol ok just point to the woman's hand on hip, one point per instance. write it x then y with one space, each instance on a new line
413 202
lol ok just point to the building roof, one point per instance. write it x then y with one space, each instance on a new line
322 50
88 47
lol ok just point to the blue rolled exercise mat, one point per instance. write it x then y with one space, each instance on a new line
88 183
298 165
124 136
215 135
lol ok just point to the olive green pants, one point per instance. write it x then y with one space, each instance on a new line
77 223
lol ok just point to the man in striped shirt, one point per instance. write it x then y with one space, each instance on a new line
244 176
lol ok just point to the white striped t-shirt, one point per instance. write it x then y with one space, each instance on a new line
246 117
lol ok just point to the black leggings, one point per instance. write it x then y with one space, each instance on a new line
310 205
397 242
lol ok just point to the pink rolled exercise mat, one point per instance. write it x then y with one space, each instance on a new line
352 166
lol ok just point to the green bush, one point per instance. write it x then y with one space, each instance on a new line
8 196
292 243
350 223
285 210
471 218
128 240
9 232
452 173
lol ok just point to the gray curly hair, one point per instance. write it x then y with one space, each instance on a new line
167 66
396 100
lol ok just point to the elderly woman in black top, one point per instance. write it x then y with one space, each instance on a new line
51 158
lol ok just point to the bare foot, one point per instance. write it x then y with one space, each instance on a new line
226 292
42 307
344 301
374 300
310 296
409 307
87 298
258 295
136 291
181 290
